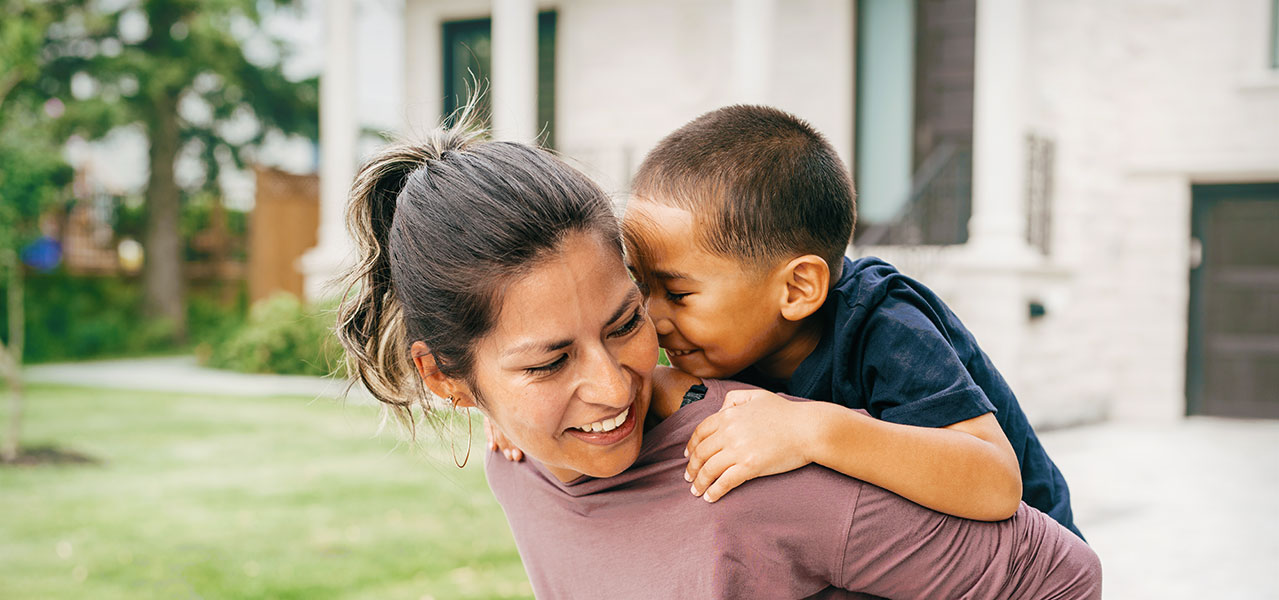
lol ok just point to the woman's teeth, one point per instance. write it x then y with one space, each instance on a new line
606 424
678 352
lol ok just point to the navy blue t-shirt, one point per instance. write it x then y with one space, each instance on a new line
892 347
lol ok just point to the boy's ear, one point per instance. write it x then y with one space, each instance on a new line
806 280
440 384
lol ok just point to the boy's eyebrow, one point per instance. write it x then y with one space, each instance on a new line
671 275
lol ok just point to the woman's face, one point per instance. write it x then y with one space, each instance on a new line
566 372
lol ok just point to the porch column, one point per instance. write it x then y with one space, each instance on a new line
752 50
515 70
996 265
423 62
337 150
999 130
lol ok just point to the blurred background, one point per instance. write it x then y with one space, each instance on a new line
1092 185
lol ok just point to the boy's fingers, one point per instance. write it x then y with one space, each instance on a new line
498 442
697 458
711 470
704 430
731 478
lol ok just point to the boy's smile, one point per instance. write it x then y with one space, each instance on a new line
714 316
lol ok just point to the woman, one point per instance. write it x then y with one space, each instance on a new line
493 273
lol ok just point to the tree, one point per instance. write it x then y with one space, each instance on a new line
178 70
32 174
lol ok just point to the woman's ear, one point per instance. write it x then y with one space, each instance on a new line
440 384
806 281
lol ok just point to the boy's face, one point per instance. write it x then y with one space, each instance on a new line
713 316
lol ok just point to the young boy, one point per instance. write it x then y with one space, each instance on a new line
736 232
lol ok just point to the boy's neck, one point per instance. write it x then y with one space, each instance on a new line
782 362
669 386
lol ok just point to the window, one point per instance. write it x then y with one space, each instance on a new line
1274 34
468 55
914 115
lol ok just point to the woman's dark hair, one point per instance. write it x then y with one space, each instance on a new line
441 226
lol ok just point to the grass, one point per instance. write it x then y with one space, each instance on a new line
226 497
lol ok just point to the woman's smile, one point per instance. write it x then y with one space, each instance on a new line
608 431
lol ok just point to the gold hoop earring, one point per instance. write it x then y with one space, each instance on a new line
469 433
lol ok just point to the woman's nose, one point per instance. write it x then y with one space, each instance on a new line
606 381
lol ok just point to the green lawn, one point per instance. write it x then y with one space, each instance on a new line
225 497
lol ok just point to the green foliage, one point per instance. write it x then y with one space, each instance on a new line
135 63
32 171
282 335
76 318
200 79
32 176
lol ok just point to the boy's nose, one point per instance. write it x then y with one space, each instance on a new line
663 326
657 311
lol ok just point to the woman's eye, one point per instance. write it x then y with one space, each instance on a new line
674 297
549 367
630 325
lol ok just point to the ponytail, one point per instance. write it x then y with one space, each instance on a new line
370 319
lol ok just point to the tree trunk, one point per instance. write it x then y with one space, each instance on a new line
162 277
11 356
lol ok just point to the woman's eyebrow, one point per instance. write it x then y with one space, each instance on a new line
631 297
539 346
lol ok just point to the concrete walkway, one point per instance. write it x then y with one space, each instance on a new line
1188 509
1179 510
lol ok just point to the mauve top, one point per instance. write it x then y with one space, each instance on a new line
811 532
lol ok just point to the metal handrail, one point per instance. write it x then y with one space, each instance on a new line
921 183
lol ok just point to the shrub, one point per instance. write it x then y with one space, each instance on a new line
72 317
282 335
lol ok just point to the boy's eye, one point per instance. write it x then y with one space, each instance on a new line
674 297
631 325
549 367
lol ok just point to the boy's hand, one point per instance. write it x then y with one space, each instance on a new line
755 433
497 441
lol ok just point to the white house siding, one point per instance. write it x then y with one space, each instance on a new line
1141 98
631 72
627 73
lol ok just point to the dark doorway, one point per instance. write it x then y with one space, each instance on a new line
1233 351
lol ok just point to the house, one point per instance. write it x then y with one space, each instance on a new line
1092 185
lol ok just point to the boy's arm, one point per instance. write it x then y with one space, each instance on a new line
967 469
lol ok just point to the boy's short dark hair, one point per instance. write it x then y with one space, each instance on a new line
762 184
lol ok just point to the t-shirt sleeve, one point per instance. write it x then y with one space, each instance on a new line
911 372
898 549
